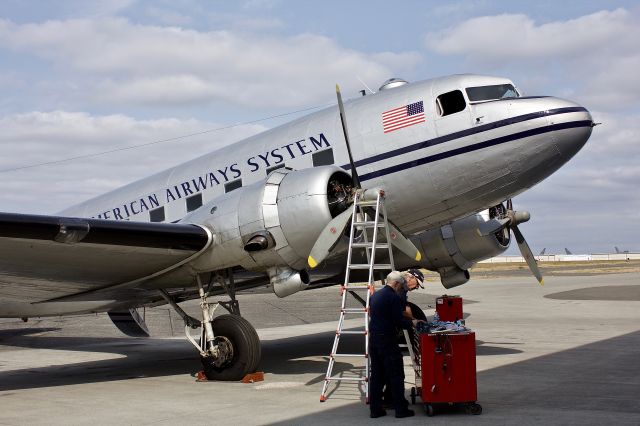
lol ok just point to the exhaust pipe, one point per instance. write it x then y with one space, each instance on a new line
286 281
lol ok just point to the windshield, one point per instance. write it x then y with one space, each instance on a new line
491 93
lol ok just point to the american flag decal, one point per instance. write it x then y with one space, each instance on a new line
404 116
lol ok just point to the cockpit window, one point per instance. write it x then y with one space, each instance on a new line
492 93
450 103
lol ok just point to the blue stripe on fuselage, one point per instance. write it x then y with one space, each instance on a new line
464 133
458 135
474 147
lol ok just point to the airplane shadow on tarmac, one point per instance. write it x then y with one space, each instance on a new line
590 384
149 357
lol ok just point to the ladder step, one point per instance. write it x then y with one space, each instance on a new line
349 355
367 266
369 223
355 286
366 203
354 310
370 245
347 379
352 332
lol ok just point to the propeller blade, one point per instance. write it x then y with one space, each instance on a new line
403 244
328 238
527 254
343 120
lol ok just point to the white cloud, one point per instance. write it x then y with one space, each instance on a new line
171 64
596 56
39 137
518 36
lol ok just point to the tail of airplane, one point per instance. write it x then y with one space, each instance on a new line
542 252
617 250
566 250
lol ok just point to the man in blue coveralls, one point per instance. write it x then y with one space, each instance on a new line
386 310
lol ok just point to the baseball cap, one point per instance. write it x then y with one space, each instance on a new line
417 275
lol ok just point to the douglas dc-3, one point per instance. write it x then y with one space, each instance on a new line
447 152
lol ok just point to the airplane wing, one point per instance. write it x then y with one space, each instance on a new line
44 258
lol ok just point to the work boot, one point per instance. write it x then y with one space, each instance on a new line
378 413
405 413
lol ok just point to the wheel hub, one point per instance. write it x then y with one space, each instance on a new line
222 352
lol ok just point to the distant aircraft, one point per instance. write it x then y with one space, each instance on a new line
621 252
542 251
271 209
566 250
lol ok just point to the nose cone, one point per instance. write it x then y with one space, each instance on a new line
556 130
568 124
572 125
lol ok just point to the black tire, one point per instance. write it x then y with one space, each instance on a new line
246 349
475 409
428 408
416 311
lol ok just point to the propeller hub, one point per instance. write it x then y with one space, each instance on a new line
517 217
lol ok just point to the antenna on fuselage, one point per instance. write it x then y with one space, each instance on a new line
343 120
365 85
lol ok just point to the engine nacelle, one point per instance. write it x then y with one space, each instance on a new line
453 248
273 222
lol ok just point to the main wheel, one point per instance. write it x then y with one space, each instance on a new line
239 342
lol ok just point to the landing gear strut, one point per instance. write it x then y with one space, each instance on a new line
229 346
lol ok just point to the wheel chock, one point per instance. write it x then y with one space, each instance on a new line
201 377
258 376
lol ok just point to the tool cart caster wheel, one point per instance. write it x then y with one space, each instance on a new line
474 409
413 396
428 408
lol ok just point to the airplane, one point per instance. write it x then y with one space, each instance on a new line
567 251
618 251
449 153
542 251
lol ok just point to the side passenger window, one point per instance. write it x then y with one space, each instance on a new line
450 103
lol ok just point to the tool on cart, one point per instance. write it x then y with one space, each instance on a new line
449 308
369 215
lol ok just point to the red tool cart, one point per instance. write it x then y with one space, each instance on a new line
446 371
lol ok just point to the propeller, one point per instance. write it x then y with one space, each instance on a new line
510 220
332 232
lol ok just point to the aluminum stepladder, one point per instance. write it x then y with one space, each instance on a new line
361 221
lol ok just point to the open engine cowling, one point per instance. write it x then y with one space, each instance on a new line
453 248
274 222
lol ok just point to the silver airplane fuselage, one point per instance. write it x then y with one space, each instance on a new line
445 167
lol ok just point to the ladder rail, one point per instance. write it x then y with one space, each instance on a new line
361 222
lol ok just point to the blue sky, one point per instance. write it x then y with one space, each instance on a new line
79 77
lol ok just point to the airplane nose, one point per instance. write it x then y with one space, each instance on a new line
572 125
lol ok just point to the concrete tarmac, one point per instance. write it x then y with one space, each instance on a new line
565 353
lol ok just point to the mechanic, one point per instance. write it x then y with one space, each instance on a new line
413 279
386 308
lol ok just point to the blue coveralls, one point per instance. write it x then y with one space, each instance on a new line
386 358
